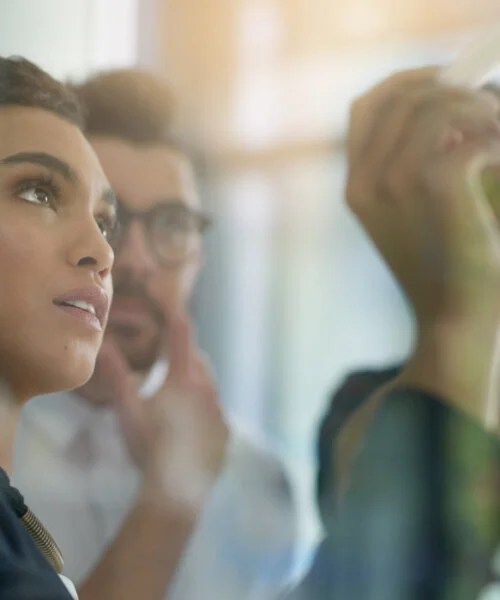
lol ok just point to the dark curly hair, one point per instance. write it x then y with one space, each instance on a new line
22 83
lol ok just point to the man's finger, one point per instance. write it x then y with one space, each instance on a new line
180 344
202 366
112 368
365 110
123 391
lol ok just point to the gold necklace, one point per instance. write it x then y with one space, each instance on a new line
38 533
43 540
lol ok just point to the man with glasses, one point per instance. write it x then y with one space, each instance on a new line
185 531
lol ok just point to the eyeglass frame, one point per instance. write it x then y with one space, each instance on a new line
126 216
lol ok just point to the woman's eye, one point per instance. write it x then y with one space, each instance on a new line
37 195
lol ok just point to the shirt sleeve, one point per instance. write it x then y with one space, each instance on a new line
273 536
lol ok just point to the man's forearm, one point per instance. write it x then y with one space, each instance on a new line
141 562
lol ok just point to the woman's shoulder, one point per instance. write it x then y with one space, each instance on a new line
24 572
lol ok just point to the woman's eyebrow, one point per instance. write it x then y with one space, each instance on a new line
45 160
53 163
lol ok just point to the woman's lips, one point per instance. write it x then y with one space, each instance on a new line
90 305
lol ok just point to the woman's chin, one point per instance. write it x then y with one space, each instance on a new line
68 374
76 374
46 368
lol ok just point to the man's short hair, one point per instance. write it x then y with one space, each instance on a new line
139 108
128 104
22 83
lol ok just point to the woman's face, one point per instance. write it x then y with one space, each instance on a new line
56 209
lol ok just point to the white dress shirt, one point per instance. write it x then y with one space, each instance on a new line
73 469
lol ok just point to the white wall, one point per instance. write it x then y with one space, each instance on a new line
70 38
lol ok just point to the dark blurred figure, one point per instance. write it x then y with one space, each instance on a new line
406 533
409 476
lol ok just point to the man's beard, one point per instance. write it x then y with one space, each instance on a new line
140 355
142 359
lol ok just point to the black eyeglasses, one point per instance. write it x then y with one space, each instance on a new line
173 230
